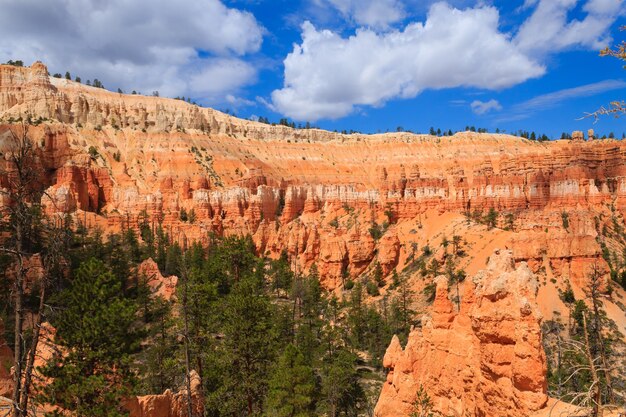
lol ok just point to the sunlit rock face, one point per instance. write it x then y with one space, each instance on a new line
482 359
114 160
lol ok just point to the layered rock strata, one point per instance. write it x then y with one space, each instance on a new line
115 160
485 359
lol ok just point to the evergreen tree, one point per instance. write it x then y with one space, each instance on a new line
340 390
247 350
91 374
291 387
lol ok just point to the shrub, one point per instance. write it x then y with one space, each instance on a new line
93 152
491 219
429 292
376 231
372 288
183 215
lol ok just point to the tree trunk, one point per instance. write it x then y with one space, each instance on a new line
597 401
19 324
30 362
187 352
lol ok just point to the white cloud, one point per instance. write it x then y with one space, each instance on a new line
483 107
372 13
187 47
326 76
548 29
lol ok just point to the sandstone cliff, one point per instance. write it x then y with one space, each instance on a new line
342 202
484 360
113 159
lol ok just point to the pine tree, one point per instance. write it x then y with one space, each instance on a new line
91 374
291 387
247 351
340 390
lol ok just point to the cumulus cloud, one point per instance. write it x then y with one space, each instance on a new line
327 75
372 13
548 29
483 107
187 47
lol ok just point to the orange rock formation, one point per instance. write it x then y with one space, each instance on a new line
484 360
159 285
112 160
168 404
131 158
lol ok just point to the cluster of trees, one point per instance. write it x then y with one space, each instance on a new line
263 339
188 100
17 63
583 354
611 135
286 122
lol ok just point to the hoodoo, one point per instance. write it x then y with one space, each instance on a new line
483 245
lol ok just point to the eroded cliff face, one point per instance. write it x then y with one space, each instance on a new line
485 359
113 159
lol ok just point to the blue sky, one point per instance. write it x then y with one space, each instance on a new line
367 65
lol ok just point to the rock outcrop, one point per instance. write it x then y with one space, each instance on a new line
160 286
484 360
168 404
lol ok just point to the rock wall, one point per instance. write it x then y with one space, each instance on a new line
112 160
484 360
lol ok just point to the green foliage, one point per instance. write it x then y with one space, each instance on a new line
94 322
340 389
182 215
291 386
376 231
372 288
422 405
389 214
565 220
334 223
264 340
491 219
429 291
509 221
247 350
378 276
281 273
93 152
